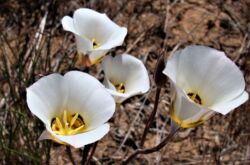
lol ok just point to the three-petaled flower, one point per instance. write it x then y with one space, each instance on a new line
205 81
95 33
74 107
125 76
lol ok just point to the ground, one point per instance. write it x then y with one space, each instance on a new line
29 52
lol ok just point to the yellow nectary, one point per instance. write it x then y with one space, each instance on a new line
184 124
95 43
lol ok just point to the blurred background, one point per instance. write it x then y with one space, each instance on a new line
33 44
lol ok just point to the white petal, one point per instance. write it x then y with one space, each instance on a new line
47 136
223 83
226 107
108 84
128 70
46 97
96 55
83 44
194 66
68 24
200 117
172 66
87 96
80 140
116 39
92 24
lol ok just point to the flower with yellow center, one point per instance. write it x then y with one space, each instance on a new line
95 33
205 81
74 108
125 76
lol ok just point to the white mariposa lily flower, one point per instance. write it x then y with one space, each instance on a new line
125 76
74 108
95 33
206 81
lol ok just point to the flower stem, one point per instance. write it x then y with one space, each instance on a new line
92 152
70 155
174 129
48 152
85 153
151 117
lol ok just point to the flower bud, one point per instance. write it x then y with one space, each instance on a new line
160 78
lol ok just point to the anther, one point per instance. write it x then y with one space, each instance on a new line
195 97
120 88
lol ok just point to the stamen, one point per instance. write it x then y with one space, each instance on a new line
195 97
59 124
73 132
73 119
70 125
65 119
120 88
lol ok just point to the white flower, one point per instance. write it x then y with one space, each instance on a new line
74 107
95 33
125 76
206 81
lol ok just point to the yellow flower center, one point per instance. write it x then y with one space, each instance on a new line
195 97
68 124
95 43
120 87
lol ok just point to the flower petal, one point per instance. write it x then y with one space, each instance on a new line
226 107
171 68
46 97
83 44
128 70
47 136
96 55
116 39
95 25
87 96
68 24
80 140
